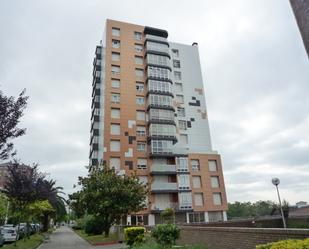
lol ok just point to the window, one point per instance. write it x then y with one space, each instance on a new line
142 163
195 164
115 83
214 181
161 146
143 179
141 146
178 87
162 130
115 70
196 217
115 129
115 113
140 100
198 199
160 114
185 199
138 36
115 43
182 164
158 59
182 124
161 47
175 53
177 75
115 32
138 60
161 100
197 182
159 86
138 48
176 63
158 72
181 112
212 165
115 98
140 130
115 145
217 198
183 181
139 73
115 56
179 98
139 87
114 162
183 139
140 115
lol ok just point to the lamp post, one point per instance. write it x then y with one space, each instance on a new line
276 182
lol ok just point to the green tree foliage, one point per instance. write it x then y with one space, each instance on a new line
77 205
3 207
166 234
168 215
11 111
248 209
108 196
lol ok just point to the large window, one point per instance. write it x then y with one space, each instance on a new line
181 112
138 48
115 83
115 56
159 114
182 124
198 199
115 31
178 87
140 115
139 73
140 100
195 164
162 130
214 181
159 86
176 63
196 217
158 72
141 130
114 162
139 60
182 164
183 181
141 146
197 183
158 60
115 113
115 98
115 145
212 165
161 146
157 46
115 70
139 86
115 43
185 199
217 198
141 163
177 75
175 53
161 100
115 129
138 35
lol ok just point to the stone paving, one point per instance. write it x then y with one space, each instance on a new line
65 238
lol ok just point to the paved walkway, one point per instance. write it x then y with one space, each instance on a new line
65 238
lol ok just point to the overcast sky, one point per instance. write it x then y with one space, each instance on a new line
255 69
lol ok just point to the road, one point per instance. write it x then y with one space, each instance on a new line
65 238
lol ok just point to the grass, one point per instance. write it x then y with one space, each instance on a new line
32 243
93 239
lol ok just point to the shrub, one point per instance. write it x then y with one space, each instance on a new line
79 224
166 234
168 215
93 225
286 244
134 235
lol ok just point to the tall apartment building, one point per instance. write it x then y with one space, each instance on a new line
149 117
301 12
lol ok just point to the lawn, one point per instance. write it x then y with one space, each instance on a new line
95 239
32 243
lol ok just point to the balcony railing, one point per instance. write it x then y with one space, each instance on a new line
154 37
170 187
163 169
162 207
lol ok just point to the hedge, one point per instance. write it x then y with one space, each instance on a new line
286 244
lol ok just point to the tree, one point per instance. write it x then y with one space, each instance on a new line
3 207
76 204
11 111
108 196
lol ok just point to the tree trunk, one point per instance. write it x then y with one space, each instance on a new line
45 223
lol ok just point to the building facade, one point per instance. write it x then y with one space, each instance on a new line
301 12
149 117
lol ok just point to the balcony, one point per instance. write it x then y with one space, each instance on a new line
157 208
164 169
155 38
164 187
180 151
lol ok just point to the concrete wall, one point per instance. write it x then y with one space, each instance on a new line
236 238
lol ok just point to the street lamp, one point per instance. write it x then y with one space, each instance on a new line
276 182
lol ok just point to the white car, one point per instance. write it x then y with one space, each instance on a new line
9 234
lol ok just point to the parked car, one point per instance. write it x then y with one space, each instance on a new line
1 240
9 234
